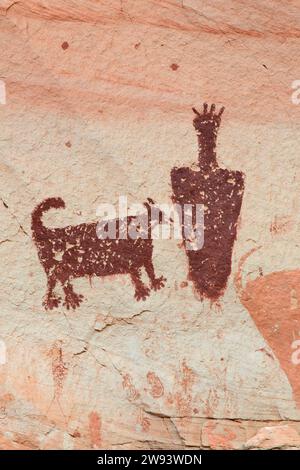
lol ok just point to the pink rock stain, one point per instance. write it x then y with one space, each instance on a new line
273 302
95 429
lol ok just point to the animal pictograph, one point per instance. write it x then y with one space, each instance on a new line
220 191
76 251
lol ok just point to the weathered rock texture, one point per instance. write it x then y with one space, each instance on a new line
98 104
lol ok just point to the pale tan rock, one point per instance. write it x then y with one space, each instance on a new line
98 105
275 437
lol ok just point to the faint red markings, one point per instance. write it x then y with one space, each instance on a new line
59 369
4 401
266 352
157 388
187 377
132 392
183 396
280 225
132 395
76 251
220 192
219 438
95 429
143 422
6 398
170 399
239 274
211 402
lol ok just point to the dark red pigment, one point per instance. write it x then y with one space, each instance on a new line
76 251
221 193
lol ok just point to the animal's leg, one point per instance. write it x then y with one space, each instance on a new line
156 282
141 291
51 300
72 300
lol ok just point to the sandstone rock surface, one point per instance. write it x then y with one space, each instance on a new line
97 104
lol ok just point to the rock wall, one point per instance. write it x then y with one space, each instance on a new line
96 103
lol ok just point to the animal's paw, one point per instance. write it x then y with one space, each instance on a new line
73 300
51 302
142 293
158 283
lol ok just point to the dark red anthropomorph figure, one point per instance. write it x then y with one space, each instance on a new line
220 191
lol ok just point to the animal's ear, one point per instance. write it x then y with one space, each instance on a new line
150 200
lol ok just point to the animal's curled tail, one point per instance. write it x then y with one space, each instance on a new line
37 227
